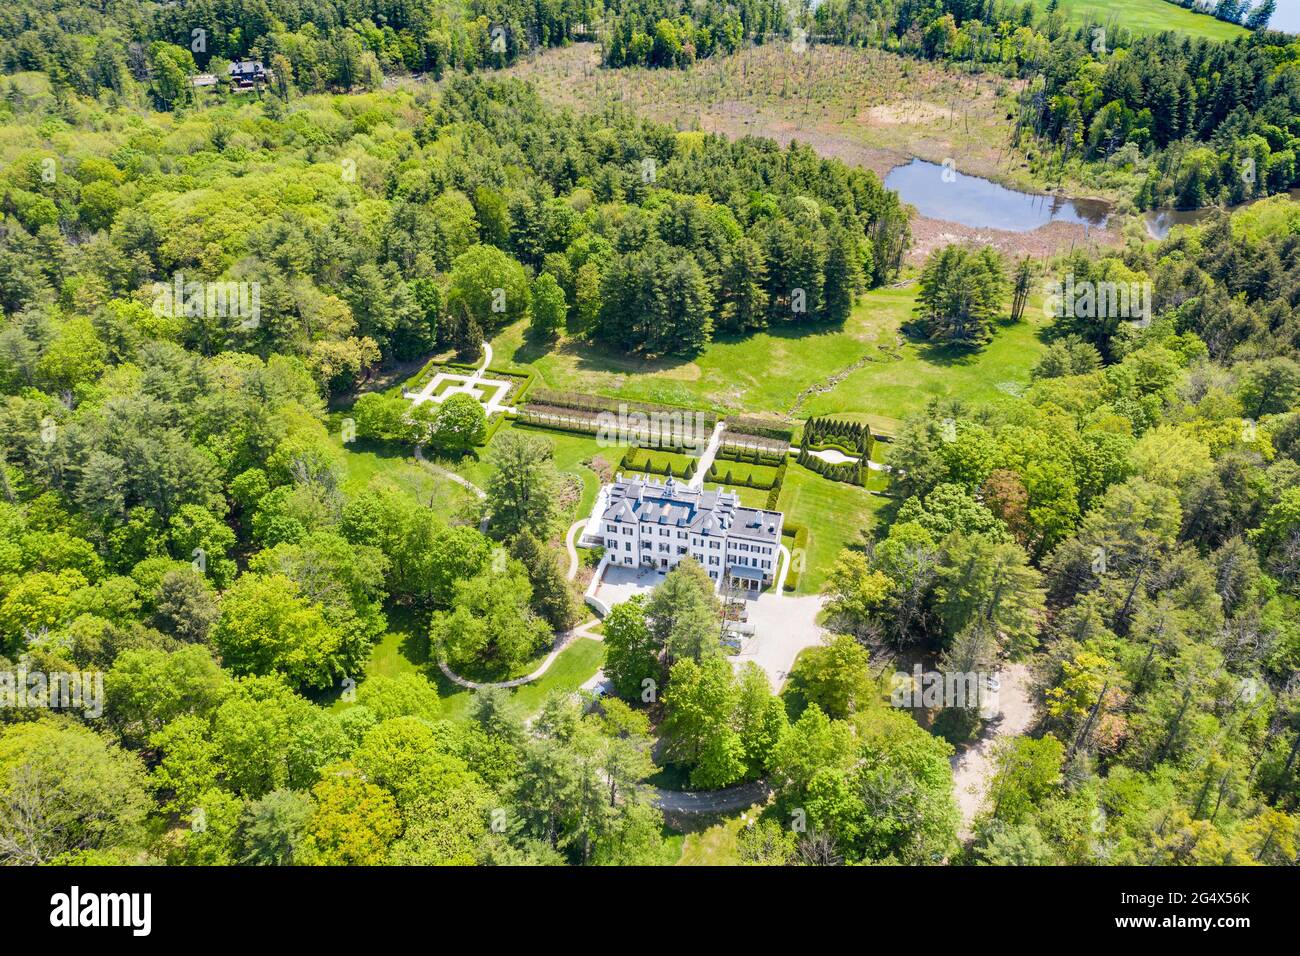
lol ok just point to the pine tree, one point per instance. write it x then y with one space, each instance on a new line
1020 292
553 600
1261 15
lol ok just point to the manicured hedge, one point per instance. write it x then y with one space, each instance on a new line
742 474
754 456
760 427
494 425
774 496
524 380
522 421
852 438
851 472
634 462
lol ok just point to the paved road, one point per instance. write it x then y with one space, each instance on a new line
783 627
740 797
706 460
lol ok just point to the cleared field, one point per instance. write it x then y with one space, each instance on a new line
1147 16
866 368
884 392
764 371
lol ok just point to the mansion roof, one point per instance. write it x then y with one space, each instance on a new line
716 513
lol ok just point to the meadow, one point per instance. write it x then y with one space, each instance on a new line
1147 16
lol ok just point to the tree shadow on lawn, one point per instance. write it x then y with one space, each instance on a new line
947 354
597 357
885 516
534 347
950 354
593 355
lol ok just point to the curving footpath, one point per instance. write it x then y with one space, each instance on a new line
779 588
706 459
582 630
572 549
567 638
438 470
740 797
833 457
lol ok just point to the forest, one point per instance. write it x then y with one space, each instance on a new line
198 285
1129 527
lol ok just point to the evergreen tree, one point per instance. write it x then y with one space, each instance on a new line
553 599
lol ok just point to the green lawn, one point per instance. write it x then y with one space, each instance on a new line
882 393
869 370
749 497
372 464
570 451
405 650
573 668
745 471
836 515
1148 16
761 372
716 844
661 459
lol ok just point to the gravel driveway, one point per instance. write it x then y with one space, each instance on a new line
972 767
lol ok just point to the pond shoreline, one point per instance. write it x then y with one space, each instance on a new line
929 234
1067 222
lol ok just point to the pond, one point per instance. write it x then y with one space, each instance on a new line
948 194
1159 222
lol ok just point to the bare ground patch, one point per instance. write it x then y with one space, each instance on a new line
1054 237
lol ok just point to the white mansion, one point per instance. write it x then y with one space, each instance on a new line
651 524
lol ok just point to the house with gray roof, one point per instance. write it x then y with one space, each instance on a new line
647 523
